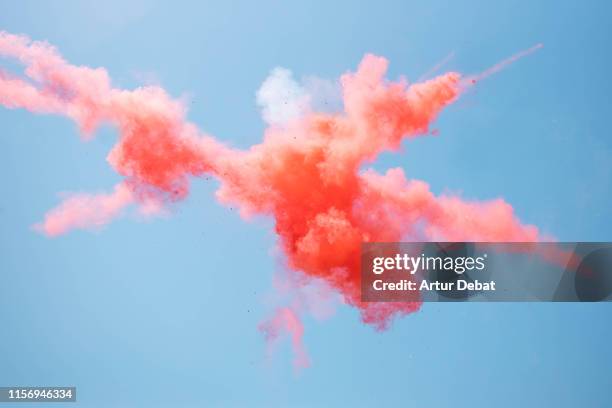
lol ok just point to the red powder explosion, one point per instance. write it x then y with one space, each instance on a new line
305 174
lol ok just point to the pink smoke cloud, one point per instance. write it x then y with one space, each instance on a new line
85 211
305 174
286 320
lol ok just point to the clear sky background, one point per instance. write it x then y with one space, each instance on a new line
164 313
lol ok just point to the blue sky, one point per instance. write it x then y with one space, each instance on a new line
164 313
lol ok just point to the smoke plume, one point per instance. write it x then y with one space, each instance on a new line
306 173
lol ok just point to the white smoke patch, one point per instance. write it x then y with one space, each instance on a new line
281 98
325 95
